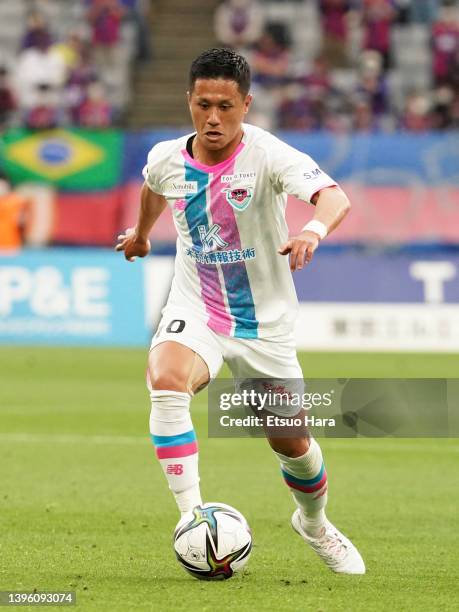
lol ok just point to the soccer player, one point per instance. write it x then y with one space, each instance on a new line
232 297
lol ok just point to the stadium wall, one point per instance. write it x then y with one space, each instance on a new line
387 279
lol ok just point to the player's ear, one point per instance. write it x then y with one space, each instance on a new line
247 103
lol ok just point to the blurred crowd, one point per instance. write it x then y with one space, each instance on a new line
317 64
79 75
348 64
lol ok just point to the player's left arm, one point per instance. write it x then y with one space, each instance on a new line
332 205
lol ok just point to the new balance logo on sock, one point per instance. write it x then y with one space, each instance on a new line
175 468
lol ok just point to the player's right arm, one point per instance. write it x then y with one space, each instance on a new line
134 242
297 174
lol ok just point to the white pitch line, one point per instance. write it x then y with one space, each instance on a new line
72 438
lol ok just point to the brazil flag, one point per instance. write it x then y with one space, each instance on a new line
72 159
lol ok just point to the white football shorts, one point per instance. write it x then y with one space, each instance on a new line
271 358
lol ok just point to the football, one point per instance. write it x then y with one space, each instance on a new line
213 541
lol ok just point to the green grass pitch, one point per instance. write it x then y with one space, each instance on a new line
84 506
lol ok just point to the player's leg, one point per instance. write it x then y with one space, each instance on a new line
176 372
303 471
182 360
175 366
299 455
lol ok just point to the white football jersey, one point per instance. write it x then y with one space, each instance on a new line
230 221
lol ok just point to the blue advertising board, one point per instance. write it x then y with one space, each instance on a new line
77 297
349 299
385 277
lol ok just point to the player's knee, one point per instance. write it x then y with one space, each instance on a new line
167 381
290 447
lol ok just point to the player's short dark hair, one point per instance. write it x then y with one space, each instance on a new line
221 63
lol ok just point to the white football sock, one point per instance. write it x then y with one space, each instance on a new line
307 480
174 438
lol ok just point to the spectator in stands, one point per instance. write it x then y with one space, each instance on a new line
36 31
446 99
105 18
7 101
442 108
318 91
239 23
95 111
334 15
271 57
45 113
454 112
79 78
445 44
137 12
70 50
372 87
318 80
377 18
454 73
13 214
309 103
38 66
294 112
417 116
363 117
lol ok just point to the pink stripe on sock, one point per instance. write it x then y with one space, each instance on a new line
171 452
309 489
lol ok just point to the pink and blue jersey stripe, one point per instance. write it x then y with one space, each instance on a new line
229 304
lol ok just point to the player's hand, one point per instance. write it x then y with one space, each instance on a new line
132 245
301 249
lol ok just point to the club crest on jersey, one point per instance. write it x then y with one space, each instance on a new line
239 198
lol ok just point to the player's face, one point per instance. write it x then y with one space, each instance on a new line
217 109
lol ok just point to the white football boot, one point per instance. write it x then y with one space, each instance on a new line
333 547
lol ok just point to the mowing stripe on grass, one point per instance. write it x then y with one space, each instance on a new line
403 445
43 438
